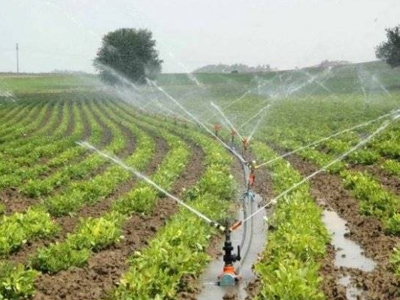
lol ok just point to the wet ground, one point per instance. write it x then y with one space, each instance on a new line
348 254
377 284
251 237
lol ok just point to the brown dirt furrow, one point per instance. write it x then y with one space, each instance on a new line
129 138
87 128
105 268
389 182
364 230
14 201
46 118
71 120
107 133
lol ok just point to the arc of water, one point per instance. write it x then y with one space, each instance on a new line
148 180
255 116
381 86
255 128
195 119
362 86
331 136
226 119
244 95
324 168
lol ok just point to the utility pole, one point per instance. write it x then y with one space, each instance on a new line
17 59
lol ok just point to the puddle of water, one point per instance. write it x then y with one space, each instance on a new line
348 253
352 292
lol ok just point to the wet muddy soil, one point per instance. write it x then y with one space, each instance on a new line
366 231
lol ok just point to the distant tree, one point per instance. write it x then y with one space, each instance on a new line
130 53
389 51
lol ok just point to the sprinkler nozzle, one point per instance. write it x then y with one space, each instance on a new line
235 225
218 226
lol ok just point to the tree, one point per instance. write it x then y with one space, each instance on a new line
130 53
389 51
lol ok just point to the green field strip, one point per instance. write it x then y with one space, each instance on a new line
15 114
289 266
33 168
89 191
179 248
27 163
18 127
17 282
392 167
23 233
24 145
10 112
17 229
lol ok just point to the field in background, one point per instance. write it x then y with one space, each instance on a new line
75 206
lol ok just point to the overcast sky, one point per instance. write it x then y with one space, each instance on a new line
65 34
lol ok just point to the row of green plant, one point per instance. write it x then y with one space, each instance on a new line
16 282
296 242
76 253
374 199
178 249
51 119
32 170
42 187
96 229
27 123
66 171
75 194
392 167
40 143
19 113
17 229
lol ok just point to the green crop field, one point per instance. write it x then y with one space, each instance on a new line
75 225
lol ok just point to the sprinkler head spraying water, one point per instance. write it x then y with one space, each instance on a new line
252 176
217 128
245 142
233 133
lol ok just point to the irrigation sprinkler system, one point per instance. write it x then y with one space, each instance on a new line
393 114
229 275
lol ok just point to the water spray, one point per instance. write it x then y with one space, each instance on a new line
381 86
257 114
324 168
393 113
195 119
255 127
149 181
226 119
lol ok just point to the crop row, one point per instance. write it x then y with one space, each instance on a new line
96 231
289 266
178 249
29 168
